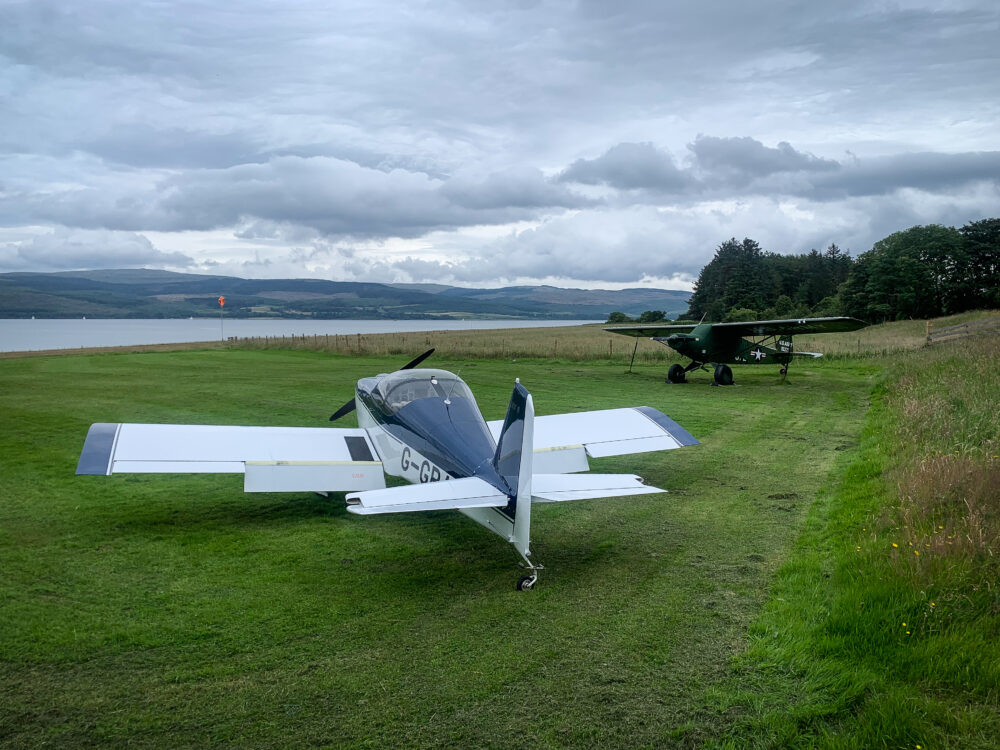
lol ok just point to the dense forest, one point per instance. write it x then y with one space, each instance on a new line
921 272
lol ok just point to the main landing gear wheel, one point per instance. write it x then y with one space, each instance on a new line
676 374
526 583
723 375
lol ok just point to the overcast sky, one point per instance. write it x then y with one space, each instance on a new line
593 144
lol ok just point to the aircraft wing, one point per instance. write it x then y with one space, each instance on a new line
791 327
272 459
562 442
651 330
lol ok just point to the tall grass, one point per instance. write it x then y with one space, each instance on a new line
946 473
883 340
567 343
592 342
883 627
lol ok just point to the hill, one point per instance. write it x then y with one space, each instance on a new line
139 293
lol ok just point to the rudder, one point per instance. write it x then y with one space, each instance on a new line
513 462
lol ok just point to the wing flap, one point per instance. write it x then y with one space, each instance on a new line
563 459
556 488
273 459
452 494
312 476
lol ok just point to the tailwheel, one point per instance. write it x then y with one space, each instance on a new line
527 583
723 375
676 374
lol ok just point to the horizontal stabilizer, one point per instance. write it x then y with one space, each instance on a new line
814 355
555 488
610 432
452 494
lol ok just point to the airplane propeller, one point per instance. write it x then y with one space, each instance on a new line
345 409
413 363
350 405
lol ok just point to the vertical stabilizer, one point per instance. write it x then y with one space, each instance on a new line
513 463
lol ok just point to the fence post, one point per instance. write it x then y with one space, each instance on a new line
928 342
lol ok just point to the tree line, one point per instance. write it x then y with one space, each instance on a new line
920 272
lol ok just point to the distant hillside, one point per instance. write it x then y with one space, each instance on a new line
129 293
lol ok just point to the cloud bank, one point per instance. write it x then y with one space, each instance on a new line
574 142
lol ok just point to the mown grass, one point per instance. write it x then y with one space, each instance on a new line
760 603
174 611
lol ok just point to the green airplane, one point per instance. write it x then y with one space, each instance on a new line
723 344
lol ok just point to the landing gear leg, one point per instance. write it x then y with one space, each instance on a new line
526 583
678 374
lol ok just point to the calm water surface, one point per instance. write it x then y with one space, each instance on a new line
32 335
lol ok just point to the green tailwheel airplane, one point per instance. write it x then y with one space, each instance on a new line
755 342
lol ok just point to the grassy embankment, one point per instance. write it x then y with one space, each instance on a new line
884 627
168 611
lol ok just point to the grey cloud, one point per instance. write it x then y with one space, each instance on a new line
341 198
381 119
614 245
746 158
82 249
734 167
140 145
929 172
329 195
326 195
629 166
510 188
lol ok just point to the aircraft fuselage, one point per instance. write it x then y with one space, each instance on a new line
427 427
709 344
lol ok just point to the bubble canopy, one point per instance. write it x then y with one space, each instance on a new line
402 388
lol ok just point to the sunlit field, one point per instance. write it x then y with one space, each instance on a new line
821 573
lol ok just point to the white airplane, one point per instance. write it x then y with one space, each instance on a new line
419 424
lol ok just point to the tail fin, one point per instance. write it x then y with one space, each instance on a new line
512 461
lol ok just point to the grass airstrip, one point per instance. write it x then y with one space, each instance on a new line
822 573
